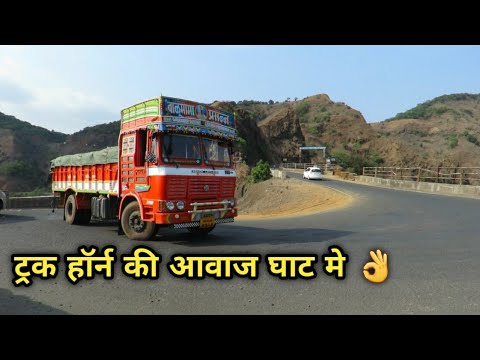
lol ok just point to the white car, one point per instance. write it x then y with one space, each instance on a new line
312 173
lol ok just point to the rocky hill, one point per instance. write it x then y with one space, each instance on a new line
313 121
283 135
443 131
271 131
92 138
252 142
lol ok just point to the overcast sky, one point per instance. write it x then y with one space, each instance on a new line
66 88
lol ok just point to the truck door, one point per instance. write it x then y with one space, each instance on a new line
133 172
139 162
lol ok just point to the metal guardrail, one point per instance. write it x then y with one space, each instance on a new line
296 165
323 167
444 175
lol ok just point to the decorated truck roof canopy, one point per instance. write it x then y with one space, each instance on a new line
104 156
166 114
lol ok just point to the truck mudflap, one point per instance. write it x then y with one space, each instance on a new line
197 223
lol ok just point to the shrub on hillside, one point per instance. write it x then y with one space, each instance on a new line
241 141
355 162
17 168
452 141
260 172
302 108
471 138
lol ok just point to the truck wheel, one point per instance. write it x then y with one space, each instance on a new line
133 226
200 231
71 212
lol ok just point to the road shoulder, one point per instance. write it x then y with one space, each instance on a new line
277 198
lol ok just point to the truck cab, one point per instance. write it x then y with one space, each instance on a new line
178 168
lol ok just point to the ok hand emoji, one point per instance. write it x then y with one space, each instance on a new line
380 266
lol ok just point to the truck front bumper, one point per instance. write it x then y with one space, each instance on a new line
197 223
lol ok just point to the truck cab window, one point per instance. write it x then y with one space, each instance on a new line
181 148
216 152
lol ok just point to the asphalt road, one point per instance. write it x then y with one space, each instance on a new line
432 241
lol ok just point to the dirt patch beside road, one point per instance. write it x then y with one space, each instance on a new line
289 197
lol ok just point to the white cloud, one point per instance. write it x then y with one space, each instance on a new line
69 110
13 93
62 109
50 105
64 97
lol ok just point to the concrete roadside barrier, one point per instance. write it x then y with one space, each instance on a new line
428 187
276 173
30 202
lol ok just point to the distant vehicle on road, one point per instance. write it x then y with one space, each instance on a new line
313 173
3 200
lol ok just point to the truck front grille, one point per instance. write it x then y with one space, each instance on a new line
204 188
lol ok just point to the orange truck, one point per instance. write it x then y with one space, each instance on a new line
172 168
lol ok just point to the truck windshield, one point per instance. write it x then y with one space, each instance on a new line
181 149
216 152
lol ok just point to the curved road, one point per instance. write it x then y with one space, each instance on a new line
432 241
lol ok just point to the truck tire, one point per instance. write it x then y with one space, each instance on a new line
71 212
200 231
133 226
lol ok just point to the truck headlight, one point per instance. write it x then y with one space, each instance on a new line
170 205
180 205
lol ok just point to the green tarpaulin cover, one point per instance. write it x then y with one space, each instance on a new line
105 156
